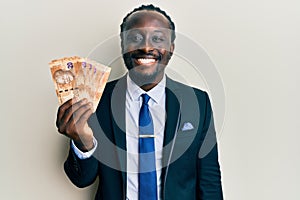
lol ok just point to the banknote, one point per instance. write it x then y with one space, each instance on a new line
80 78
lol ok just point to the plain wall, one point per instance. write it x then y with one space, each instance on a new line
254 44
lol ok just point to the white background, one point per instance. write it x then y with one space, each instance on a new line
254 44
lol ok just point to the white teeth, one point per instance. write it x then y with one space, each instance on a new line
146 60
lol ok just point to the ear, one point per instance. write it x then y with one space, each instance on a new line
172 47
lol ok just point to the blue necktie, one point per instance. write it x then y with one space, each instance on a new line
147 172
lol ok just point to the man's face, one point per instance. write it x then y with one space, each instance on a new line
147 46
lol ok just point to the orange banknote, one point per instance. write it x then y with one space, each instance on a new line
79 77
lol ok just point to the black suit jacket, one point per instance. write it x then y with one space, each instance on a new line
190 157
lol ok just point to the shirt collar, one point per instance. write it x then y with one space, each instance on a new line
155 93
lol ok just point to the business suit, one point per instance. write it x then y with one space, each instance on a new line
184 174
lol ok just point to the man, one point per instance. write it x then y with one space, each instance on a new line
151 137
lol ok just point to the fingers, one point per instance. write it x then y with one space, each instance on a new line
81 127
69 113
62 109
82 122
80 116
72 119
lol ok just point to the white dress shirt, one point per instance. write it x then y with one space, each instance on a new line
133 105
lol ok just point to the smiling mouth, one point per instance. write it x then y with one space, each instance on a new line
145 61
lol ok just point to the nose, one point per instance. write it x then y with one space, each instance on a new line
147 45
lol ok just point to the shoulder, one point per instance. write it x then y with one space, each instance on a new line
119 83
186 91
111 85
191 99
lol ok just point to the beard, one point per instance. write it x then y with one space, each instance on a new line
144 75
142 79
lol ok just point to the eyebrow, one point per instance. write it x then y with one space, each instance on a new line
159 31
130 31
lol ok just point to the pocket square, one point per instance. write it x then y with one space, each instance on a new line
187 126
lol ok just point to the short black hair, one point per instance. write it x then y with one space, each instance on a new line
150 8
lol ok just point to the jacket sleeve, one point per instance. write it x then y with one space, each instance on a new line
209 175
82 172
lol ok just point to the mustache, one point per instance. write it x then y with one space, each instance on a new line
141 54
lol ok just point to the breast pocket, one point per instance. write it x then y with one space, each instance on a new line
182 145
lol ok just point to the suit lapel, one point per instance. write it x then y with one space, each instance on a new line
172 110
118 99
173 119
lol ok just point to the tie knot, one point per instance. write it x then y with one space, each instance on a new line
145 98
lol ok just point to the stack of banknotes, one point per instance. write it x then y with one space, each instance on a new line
76 77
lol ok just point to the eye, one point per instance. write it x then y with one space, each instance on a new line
157 38
136 37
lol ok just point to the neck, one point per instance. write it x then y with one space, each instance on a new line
146 85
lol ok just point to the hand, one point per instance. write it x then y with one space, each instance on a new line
71 121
